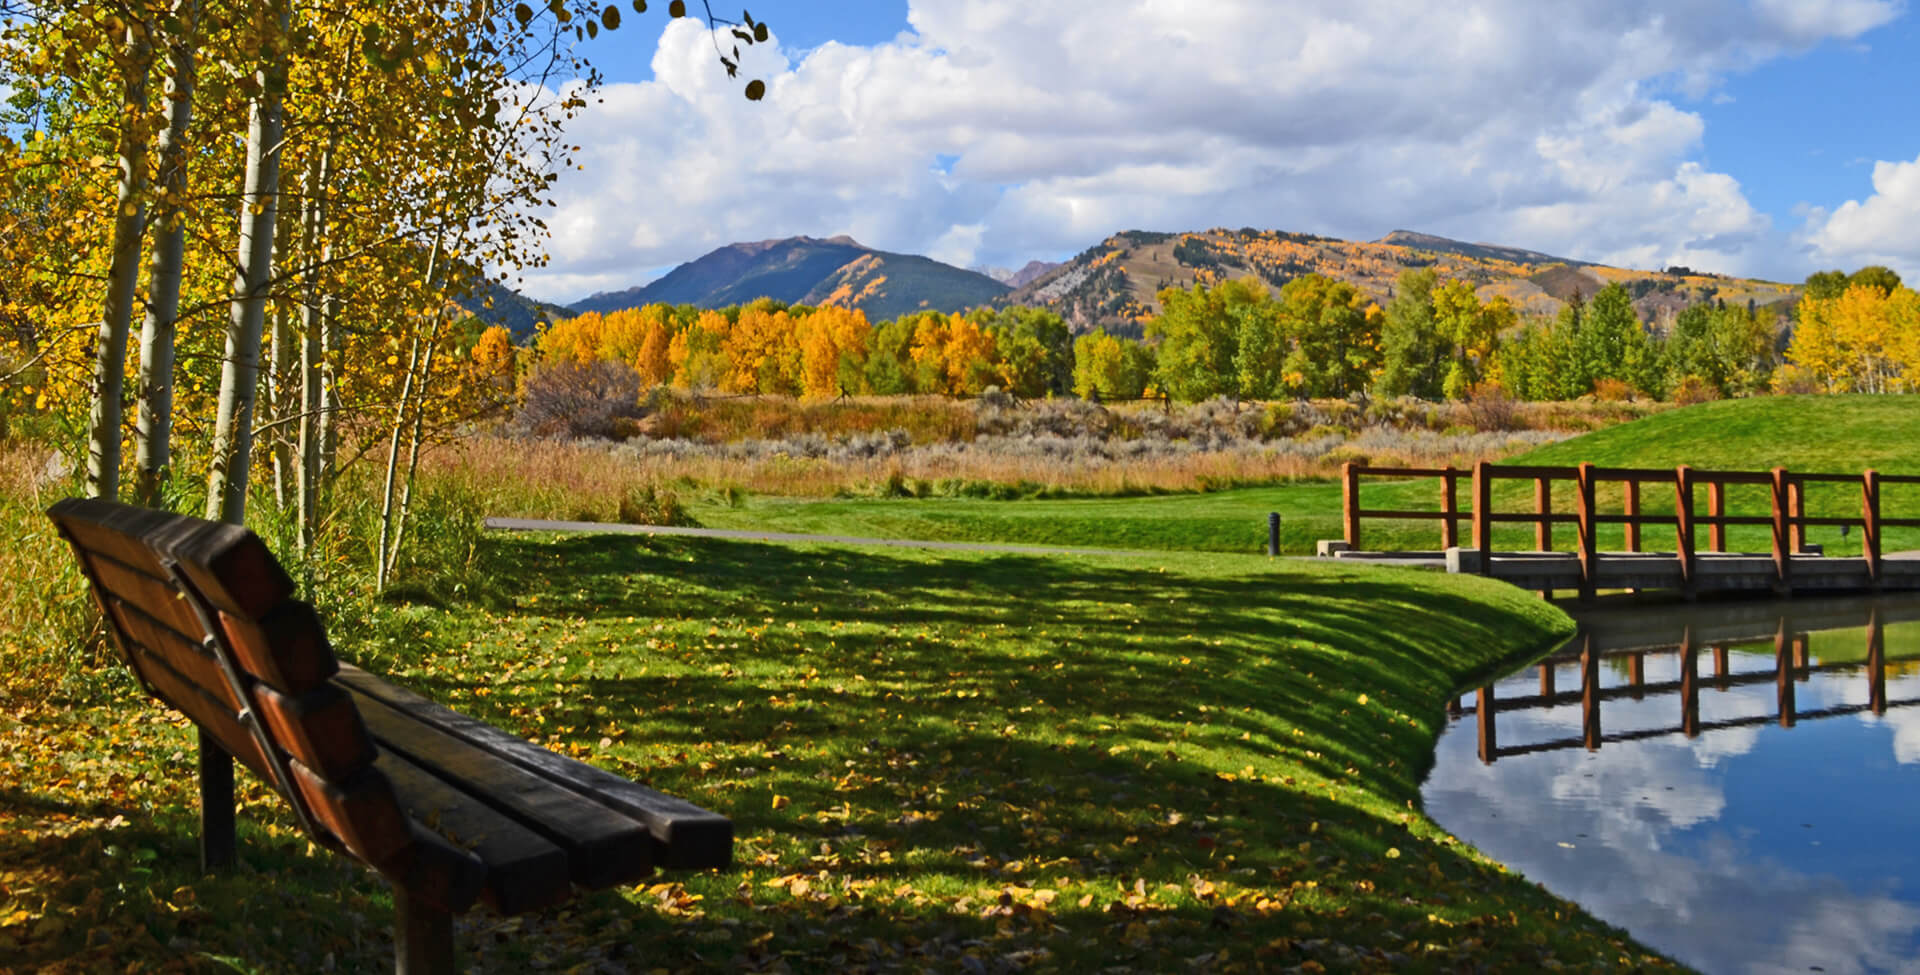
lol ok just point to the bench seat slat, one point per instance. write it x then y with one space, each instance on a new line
286 647
206 711
230 564
155 598
320 728
687 836
524 870
359 811
160 640
604 847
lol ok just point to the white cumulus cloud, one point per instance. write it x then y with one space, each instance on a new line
1882 229
995 131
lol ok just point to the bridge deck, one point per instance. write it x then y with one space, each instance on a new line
1713 571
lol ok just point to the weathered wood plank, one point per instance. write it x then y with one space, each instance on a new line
287 647
188 659
155 598
604 847
525 871
320 728
686 835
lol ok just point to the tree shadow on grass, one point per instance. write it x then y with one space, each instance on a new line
957 735
1235 645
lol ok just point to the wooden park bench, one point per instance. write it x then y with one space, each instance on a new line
451 811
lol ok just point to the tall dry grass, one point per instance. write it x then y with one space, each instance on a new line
687 449
49 638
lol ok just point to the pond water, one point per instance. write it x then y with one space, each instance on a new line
1738 785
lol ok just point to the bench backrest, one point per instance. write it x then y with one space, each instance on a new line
205 616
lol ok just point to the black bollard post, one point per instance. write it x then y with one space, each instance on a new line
1273 534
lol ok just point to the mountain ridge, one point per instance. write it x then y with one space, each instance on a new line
813 271
1115 284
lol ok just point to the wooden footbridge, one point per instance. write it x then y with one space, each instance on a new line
1637 500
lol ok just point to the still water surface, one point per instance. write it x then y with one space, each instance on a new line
1781 835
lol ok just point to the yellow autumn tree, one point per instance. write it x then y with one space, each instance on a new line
956 352
577 339
695 352
762 353
833 345
1860 340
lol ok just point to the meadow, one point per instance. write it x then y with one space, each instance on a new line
969 762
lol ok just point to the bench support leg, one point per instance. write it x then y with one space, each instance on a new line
423 937
216 805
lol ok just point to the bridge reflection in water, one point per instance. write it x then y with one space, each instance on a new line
1628 636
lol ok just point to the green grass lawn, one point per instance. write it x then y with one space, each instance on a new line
1826 434
934 761
1223 521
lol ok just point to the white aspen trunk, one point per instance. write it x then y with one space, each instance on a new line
383 565
239 375
153 447
329 389
415 439
282 398
383 562
312 357
123 275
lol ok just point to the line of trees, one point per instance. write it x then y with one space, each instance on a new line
288 196
1315 337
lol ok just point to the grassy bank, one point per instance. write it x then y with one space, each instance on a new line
956 762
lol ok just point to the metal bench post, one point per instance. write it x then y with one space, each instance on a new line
216 805
424 937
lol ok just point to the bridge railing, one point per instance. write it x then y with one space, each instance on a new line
1786 500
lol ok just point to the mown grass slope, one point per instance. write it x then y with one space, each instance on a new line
1827 434
952 762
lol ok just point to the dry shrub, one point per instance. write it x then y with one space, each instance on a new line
580 399
1611 390
1791 379
1490 407
1693 390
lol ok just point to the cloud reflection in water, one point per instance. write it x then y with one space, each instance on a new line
1747 849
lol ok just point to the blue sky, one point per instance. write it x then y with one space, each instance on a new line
1760 137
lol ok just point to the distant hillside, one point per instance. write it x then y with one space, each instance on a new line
497 304
1113 284
1414 240
807 270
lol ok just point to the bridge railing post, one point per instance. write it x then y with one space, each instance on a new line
1589 536
1782 540
1350 502
1683 524
1449 507
1870 530
1483 514
1543 506
1797 501
1716 508
1633 515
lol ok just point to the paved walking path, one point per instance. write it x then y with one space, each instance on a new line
532 525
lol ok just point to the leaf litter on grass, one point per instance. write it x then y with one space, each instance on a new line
933 761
